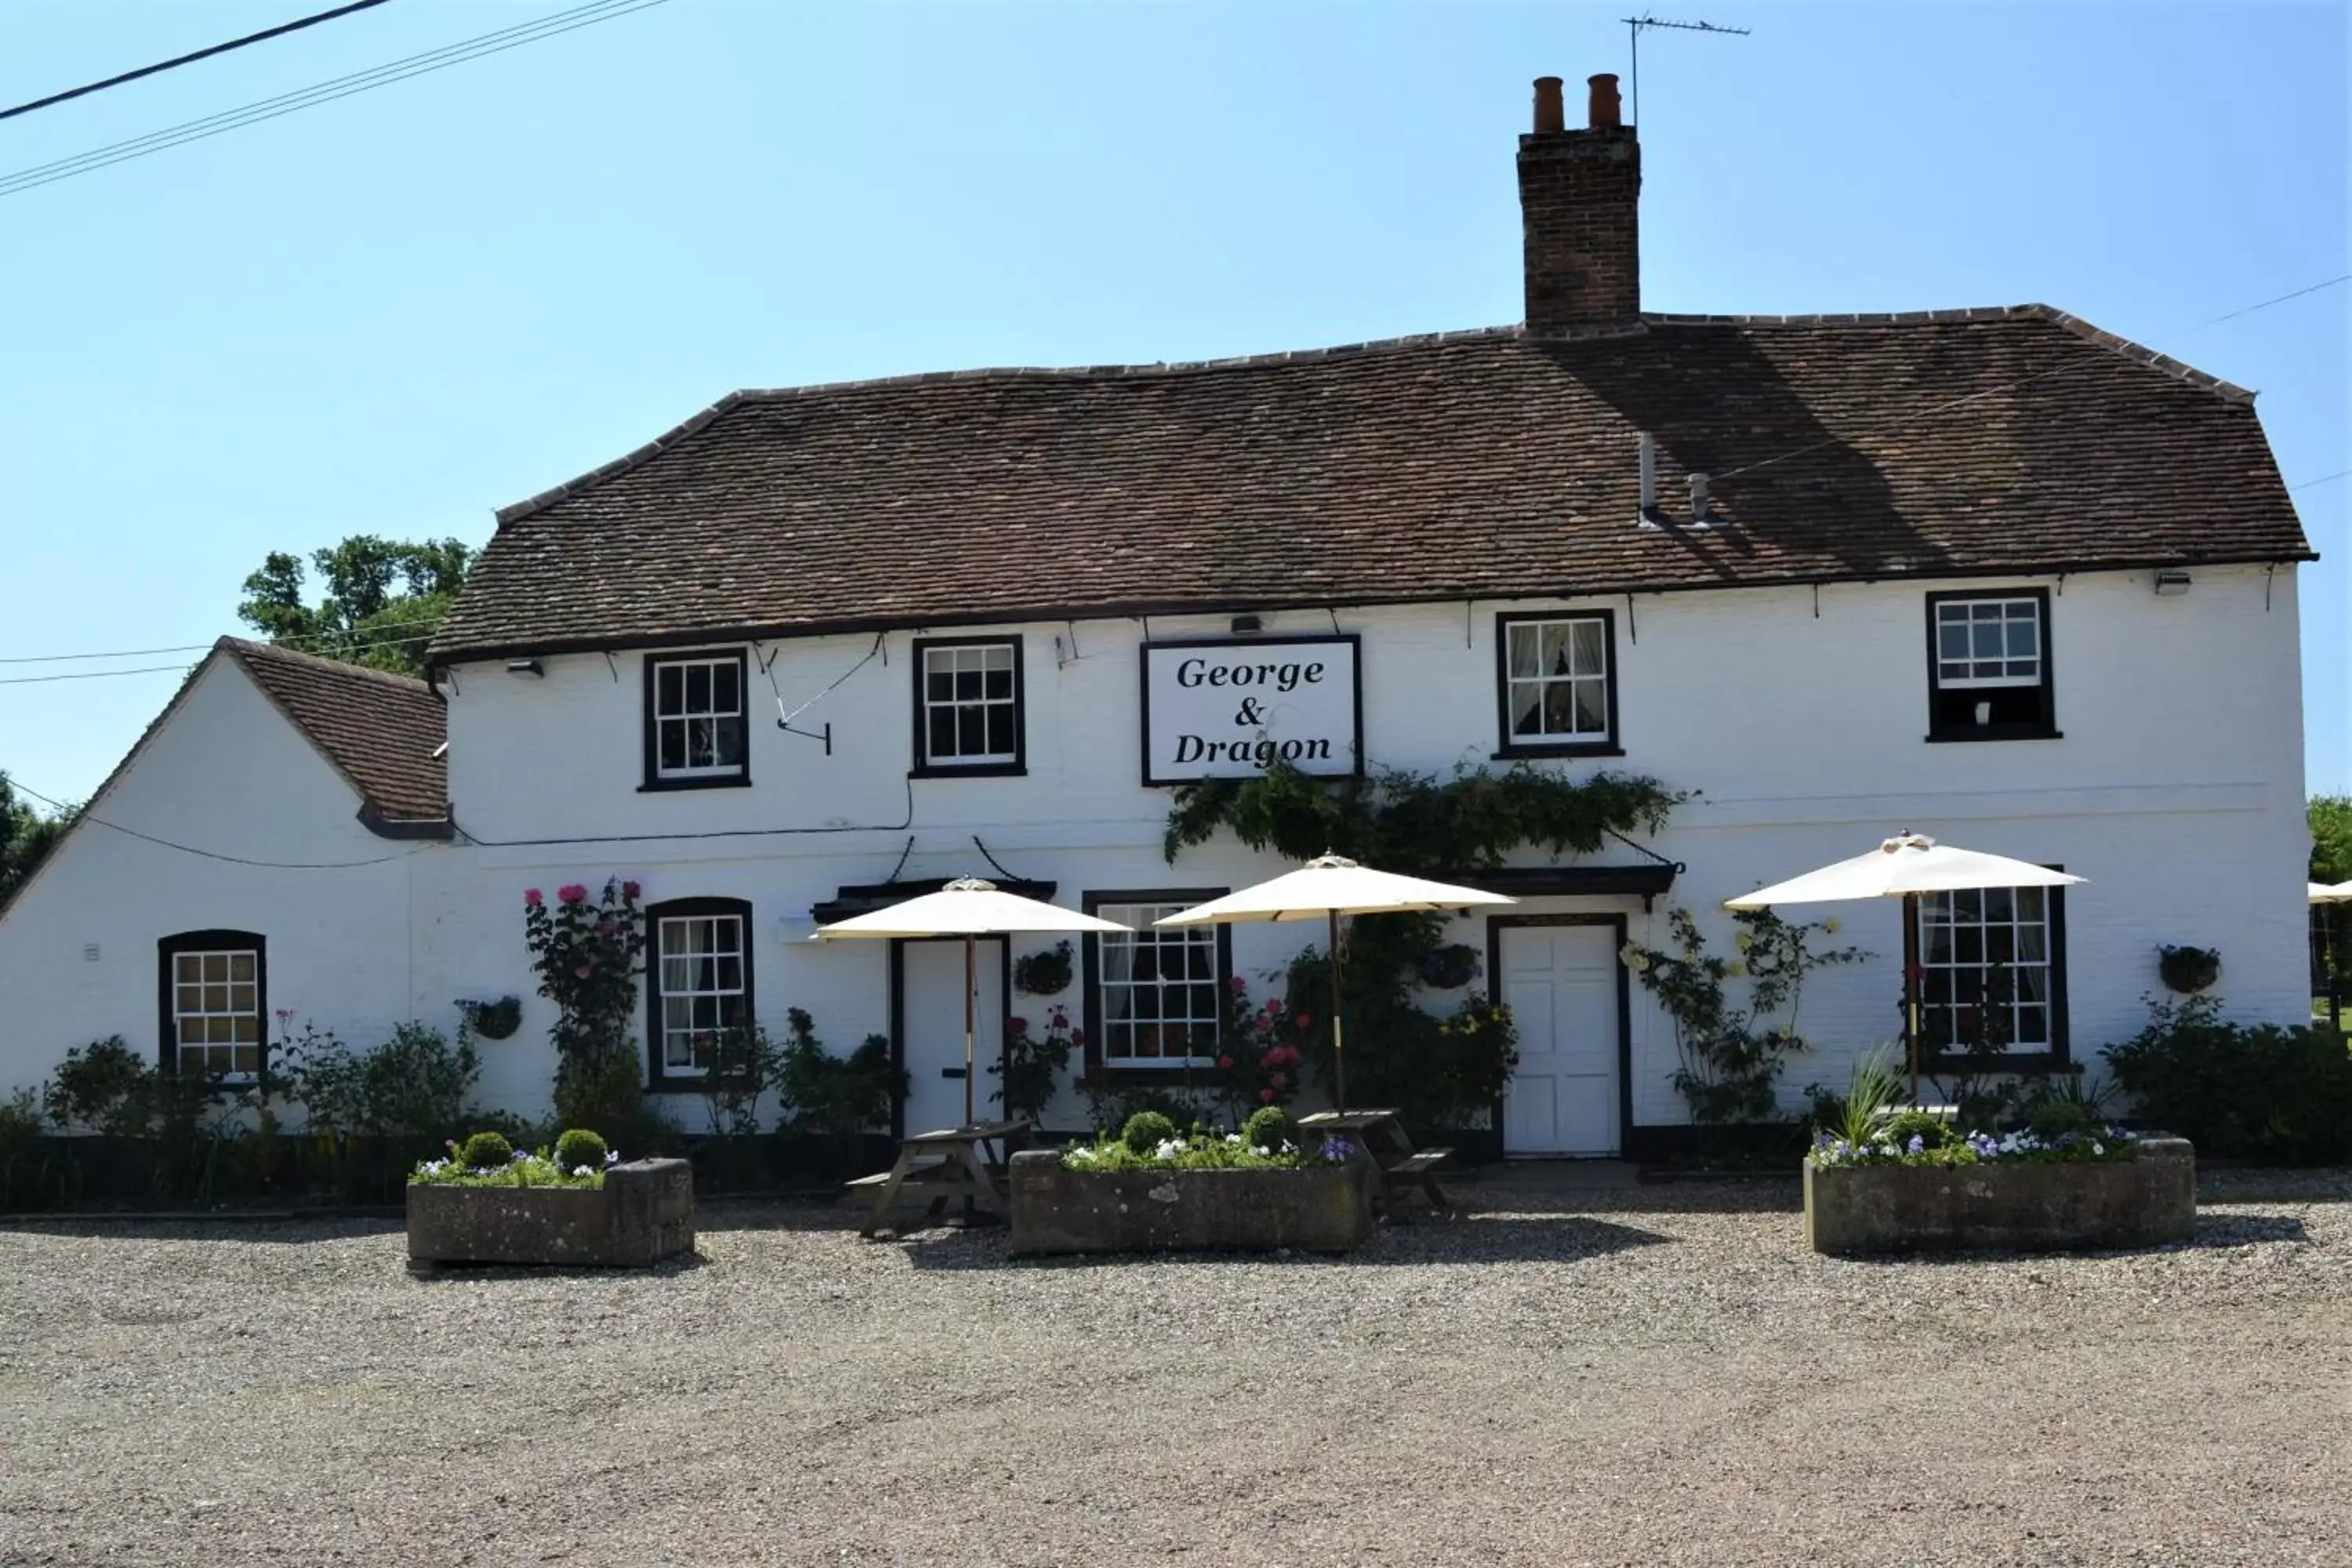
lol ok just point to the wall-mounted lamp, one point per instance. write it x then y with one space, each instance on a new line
1245 626
2171 585
529 667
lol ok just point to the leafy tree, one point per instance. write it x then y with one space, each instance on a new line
384 598
26 837
2331 838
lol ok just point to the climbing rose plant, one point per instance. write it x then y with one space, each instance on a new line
588 953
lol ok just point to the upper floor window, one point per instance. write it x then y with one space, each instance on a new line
1988 667
213 1003
1992 975
695 733
699 984
968 702
1557 684
1155 998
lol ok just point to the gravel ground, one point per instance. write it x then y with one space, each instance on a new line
1652 1375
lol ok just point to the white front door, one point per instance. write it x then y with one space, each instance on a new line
930 1012
1560 982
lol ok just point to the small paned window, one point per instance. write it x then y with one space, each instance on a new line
700 982
1158 994
1558 684
695 720
968 706
1990 972
1988 667
214 1002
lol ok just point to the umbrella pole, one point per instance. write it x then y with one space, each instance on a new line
970 979
1338 1044
1911 988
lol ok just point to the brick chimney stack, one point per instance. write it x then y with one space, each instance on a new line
1579 200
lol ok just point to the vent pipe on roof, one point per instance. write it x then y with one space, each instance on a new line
1699 498
1649 475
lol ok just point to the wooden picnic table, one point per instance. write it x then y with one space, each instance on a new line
951 1162
1380 1139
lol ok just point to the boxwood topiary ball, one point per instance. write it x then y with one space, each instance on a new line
485 1150
1269 1127
1146 1130
579 1147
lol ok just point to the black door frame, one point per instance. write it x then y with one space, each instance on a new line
1495 926
898 1018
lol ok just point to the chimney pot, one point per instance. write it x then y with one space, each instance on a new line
1602 110
1551 111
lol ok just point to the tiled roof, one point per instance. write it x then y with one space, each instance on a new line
382 731
1483 464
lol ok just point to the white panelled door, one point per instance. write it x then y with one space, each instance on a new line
930 1018
1561 983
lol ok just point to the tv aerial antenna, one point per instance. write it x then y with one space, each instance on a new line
1633 25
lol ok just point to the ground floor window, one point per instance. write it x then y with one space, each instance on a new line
1992 972
1155 997
213 1003
699 984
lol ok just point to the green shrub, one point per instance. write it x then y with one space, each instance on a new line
1932 1131
579 1147
484 1150
2240 1092
103 1087
1146 1130
820 1092
1270 1128
2055 1117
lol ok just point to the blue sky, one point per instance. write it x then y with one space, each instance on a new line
396 312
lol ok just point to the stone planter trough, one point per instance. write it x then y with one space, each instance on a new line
1056 1210
2025 1206
643 1213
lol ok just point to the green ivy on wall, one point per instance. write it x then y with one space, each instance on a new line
1438 1072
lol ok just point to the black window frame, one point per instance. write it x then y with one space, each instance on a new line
167 1032
2043 726
659 1079
654 779
1127 1073
2060 1056
1506 745
923 767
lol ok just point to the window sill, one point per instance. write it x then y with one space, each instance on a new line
976 771
1576 749
663 787
1156 1075
2021 1062
1952 737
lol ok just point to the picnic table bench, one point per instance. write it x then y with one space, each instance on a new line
1380 1139
951 1162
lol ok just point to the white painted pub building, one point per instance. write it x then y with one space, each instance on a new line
1990 575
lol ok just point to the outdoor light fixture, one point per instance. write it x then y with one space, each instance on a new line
529 667
1245 625
2171 585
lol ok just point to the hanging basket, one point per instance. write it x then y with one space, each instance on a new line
493 1020
1045 973
1449 967
2188 969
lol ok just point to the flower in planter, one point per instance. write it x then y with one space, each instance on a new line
1336 1151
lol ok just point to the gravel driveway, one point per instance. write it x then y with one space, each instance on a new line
1651 1375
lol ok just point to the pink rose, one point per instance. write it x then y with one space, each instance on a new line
1305 1020
1018 1025
1077 1036
572 893
1240 985
584 971
1278 1081
533 898
629 889
1226 1062
1266 1097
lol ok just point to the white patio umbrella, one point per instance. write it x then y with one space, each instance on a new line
1904 868
1331 886
970 909
2329 893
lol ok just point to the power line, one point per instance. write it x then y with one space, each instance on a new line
82 817
2282 300
303 642
88 674
2321 479
323 92
189 58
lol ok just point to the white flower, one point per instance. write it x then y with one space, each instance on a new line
1169 1148
2097 1148
1233 1137
1262 1151
611 1156
582 1171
